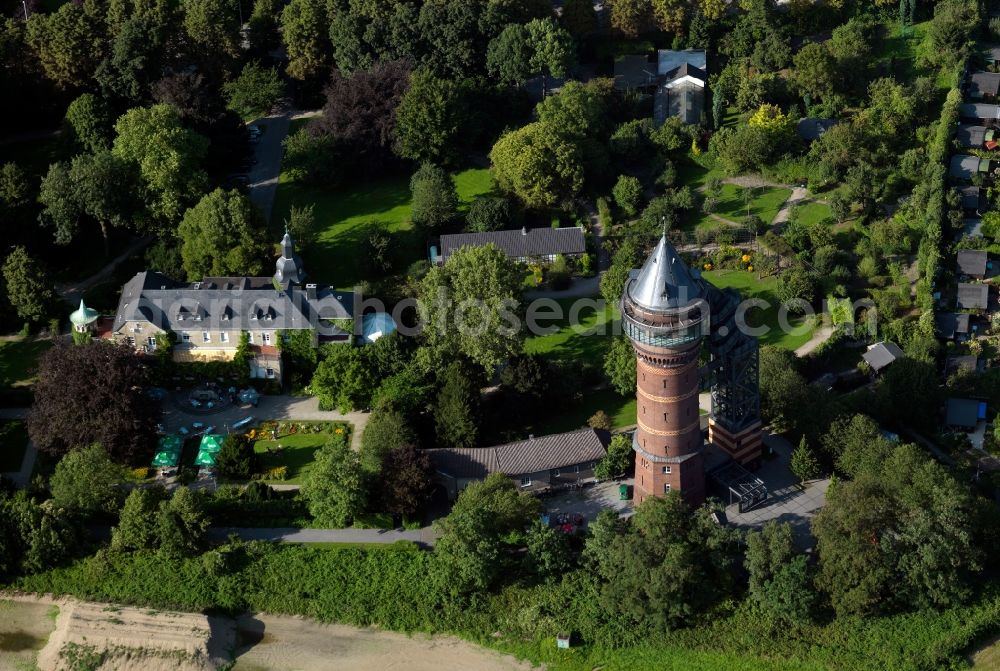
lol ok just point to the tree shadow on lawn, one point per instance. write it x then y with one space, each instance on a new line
345 259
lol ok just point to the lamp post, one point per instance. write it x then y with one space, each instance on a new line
24 4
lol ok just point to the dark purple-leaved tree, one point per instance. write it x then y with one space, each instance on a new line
405 480
360 111
93 394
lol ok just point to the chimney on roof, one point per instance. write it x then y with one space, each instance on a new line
311 291
524 230
531 436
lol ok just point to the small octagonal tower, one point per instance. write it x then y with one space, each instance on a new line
665 315
289 267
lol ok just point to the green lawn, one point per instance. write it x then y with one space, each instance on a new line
13 443
347 215
588 338
297 452
751 287
765 204
812 212
18 361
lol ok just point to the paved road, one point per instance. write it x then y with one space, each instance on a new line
425 536
71 293
264 176
270 407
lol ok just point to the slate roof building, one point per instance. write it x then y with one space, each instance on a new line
954 364
964 413
984 85
207 318
983 112
972 262
635 72
951 324
973 296
973 199
524 244
535 464
974 137
881 355
964 166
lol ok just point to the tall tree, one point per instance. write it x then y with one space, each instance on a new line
29 288
86 481
387 431
107 189
472 551
213 26
167 155
255 91
68 42
134 62
579 17
508 57
456 408
899 536
480 314
88 123
434 198
136 529
304 25
222 235
360 111
181 523
433 120
780 584
630 17
405 481
334 487
553 51
537 165
93 394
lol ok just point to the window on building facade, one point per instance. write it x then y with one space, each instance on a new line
186 337
265 338
223 336
666 487
270 372
250 337
206 336
151 341
131 341
666 470
525 480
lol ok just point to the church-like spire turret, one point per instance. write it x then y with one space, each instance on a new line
289 267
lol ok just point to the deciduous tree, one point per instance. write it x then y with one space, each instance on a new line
537 165
80 399
334 486
405 480
255 91
433 119
222 235
435 201
29 288
86 481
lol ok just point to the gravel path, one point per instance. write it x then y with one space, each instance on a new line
799 194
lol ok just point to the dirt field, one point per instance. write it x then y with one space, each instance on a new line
987 658
274 643
53 633
24 628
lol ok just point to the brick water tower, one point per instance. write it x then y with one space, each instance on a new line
665 315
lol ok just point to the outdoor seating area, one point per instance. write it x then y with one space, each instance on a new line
208 450
168 453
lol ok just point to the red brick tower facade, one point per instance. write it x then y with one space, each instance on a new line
664 311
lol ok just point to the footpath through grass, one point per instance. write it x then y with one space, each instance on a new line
19 361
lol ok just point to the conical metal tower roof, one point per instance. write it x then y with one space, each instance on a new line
83 315
665 282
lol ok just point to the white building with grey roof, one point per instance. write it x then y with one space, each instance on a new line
206 320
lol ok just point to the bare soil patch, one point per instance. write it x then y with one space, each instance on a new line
24 628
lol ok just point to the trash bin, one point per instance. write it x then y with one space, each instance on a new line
623 492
